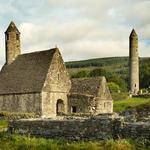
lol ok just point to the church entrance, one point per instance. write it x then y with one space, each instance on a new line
60 107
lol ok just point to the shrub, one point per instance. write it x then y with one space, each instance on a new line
113 87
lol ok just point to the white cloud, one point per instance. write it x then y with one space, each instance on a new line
81 29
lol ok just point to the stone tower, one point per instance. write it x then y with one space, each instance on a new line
12 41
133 63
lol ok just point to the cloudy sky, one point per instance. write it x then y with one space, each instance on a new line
82 29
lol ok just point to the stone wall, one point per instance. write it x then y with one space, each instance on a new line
97 128
24 103
90 104
49 103
56 87
12 43
81 103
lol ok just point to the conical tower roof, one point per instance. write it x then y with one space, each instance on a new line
133 33
12 27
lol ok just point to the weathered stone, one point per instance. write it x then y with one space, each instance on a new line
85 129
39 83
133 63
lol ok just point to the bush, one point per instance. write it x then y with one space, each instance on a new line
113 87
80 74
98 72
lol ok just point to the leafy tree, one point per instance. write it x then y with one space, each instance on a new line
113 87
80 74
98 72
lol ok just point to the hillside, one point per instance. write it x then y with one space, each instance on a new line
113 66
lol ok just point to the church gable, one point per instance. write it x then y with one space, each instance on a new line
57 79
103 91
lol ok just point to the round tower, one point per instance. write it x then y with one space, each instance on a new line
133 63
12 43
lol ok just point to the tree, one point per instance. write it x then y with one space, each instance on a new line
98 72
81 74
113 87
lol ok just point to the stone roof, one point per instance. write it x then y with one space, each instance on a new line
12 27
87 86
27 73
133 33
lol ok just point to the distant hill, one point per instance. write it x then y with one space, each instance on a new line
112 64
115 65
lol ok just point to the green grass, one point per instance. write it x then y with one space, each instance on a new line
14 142
121 105
3 123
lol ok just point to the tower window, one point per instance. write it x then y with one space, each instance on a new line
17 36
135 85
58 76
74 109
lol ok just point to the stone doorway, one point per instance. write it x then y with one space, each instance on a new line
60 107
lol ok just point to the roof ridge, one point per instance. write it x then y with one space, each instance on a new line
41 51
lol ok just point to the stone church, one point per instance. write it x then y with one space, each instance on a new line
39 83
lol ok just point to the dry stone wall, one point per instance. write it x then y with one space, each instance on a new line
97 128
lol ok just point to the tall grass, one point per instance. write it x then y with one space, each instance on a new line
18 142
3 123
122 105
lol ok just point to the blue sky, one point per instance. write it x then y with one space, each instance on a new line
82 29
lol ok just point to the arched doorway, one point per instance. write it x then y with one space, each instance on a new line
60 107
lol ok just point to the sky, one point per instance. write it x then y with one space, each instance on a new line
81 29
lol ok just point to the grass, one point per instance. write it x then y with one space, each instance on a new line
3 123
18 142
121 105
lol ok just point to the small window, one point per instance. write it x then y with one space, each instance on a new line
74 109
17 36
58 76
135 85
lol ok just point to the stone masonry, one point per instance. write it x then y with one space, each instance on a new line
133 63
39 83
95 128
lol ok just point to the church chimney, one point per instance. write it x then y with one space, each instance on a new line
12 43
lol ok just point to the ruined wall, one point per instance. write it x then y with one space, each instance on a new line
96 128
24 103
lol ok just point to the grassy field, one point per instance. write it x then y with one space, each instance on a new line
121 105
17 142
3 123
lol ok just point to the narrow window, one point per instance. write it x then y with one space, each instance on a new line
58 76
74 109
17 36
105 105
135 85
